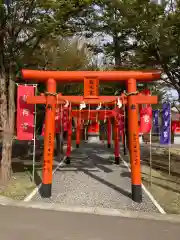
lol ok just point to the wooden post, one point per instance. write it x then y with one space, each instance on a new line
78 130
49 138
124 142
134 147
109 133
69 138
116 142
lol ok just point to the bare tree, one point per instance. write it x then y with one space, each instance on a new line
24 24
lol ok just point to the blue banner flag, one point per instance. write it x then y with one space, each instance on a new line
7 2
165 137
156 121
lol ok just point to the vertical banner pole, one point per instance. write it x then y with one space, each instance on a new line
68 150
169 155
34 145
159 127
61 130
124 133
109 133
61 136
116 141
150 149
78 129
85 133
150 158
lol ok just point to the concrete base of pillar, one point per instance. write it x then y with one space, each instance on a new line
177 139
140 139
93 138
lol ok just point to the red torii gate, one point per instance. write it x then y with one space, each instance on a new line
91 86
94 116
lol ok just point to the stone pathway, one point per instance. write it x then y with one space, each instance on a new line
93 181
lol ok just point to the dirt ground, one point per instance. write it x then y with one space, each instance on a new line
21 183
164 185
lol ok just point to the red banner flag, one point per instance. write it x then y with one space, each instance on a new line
25 113
120 119
58 120
175 126
145 120
65 118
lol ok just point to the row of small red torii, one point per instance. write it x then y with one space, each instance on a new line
91 97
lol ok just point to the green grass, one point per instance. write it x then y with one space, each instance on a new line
165 187
19 187
21 183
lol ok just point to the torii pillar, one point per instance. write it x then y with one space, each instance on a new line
49 135
133 138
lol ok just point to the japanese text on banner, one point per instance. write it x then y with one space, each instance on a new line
145 119
156 121
165 136
120 119
25 113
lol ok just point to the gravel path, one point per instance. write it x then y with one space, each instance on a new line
93 181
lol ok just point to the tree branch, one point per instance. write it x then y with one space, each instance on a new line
26 16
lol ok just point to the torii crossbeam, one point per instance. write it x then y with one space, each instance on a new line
91 96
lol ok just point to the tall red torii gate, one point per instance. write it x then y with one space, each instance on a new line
91 96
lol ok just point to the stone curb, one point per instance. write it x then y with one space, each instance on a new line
90 210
